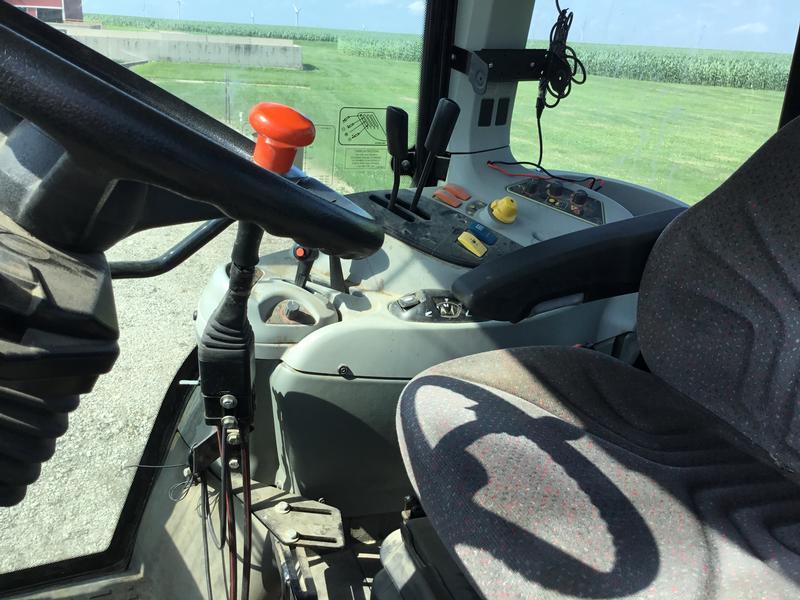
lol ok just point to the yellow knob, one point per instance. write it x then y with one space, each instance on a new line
504 209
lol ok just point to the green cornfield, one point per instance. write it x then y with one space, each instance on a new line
722 68
308 34
391 46
749 70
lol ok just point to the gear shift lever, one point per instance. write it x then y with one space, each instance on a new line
281 131
397 144
444 120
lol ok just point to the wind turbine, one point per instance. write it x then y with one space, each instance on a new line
296 14
179 8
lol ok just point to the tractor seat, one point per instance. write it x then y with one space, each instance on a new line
557 473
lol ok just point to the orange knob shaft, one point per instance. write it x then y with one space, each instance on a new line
281 131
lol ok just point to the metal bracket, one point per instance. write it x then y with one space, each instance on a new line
483 66
203 454
294 520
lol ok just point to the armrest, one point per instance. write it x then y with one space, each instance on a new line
590 264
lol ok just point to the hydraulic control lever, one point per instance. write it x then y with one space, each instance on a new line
444 121
397 144
305 258
226 348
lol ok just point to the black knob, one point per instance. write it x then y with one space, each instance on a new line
555 189
531 187
580 197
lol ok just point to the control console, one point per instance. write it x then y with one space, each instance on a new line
431 306
435 228
491 213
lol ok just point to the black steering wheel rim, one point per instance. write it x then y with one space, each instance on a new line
104 126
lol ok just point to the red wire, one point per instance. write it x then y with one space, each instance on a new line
509 174
595 185
231 541
248 518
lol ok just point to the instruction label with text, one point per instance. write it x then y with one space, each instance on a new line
364 157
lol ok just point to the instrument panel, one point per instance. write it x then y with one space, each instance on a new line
553 194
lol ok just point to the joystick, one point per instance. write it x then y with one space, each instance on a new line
444 121
397 144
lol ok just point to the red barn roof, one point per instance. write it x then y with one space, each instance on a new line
71 10
59 4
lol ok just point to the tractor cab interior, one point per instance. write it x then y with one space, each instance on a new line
501 381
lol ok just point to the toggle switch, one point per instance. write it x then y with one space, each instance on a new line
472 244
483 233
444 196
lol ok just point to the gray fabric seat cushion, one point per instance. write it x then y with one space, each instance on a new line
563 473
719 309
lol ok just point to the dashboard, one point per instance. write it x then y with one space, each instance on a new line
494 216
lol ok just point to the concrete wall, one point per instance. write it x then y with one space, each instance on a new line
134 46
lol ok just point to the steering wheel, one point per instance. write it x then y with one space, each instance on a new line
110 127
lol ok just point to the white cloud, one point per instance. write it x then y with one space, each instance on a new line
417 7
757 28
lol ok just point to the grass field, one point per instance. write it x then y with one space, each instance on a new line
680 139
329 82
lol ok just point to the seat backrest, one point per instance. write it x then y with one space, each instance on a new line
719 308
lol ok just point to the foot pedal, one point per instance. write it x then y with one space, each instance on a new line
294 520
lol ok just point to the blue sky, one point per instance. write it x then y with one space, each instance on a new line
765 25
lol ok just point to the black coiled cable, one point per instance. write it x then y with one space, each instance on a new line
564 68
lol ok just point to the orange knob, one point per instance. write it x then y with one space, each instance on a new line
281 131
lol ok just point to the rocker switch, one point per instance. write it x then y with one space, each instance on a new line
408 301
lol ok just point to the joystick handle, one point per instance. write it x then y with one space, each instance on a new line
397 134
444 121
281 131
397 144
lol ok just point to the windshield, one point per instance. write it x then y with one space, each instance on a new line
340 63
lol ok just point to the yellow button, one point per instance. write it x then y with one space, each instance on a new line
504 209
471 243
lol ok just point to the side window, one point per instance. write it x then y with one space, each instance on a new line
678 94
341 63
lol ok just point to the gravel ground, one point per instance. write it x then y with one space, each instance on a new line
73 508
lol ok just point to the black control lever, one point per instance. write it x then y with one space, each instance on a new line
226 348
397 144
444 121
305 261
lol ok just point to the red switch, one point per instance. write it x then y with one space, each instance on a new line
281 131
